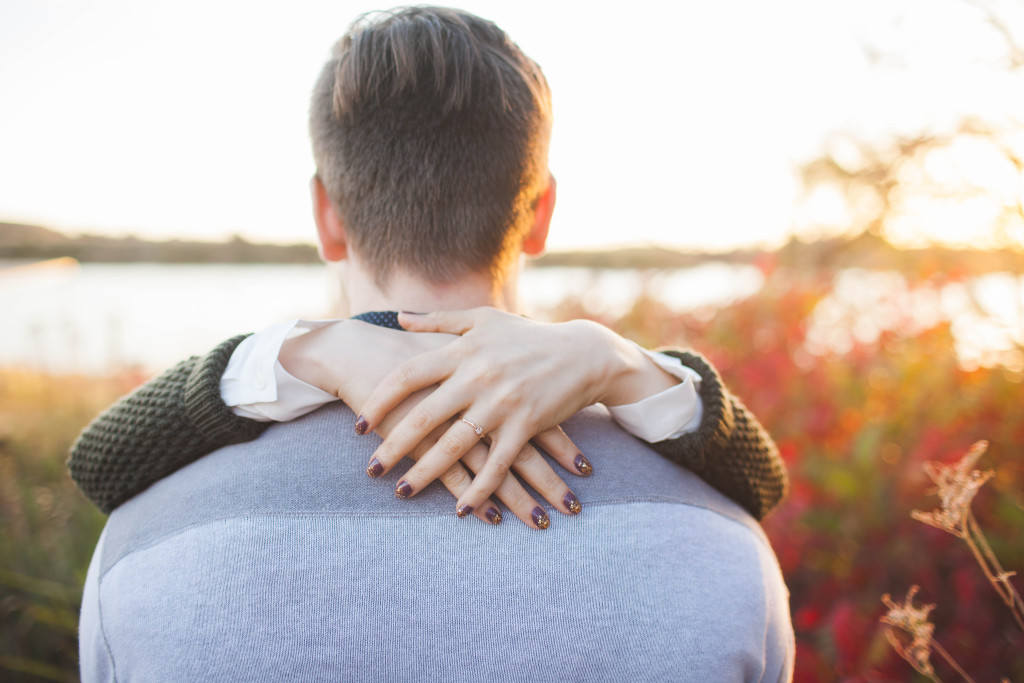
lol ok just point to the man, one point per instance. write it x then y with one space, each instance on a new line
268 560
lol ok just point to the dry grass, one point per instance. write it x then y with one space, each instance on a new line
956 486
47 528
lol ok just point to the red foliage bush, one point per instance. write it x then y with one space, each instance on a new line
855 427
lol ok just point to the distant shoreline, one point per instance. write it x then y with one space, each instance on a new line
23 243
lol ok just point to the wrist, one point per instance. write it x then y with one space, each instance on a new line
630 375
307 357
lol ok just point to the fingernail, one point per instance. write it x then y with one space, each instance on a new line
374 469
403 490
582 464
361 425
540 518
573 503
464 510
493 516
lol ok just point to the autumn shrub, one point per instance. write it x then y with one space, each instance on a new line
855 427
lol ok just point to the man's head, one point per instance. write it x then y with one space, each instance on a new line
430 133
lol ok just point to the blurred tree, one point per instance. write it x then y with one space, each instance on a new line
961 185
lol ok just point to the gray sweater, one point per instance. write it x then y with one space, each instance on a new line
279 559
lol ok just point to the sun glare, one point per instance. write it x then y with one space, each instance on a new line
965 194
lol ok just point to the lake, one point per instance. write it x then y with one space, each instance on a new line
62 316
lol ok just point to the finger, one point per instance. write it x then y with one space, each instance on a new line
492 476
451 322
510 492
412 429
457 479
448 450
560 447
535 471
411 376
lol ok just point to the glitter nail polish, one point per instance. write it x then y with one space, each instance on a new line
464 510
374 469
493 515
403 490
573 503
361 425
540 518
582 464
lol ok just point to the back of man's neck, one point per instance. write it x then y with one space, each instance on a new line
405 292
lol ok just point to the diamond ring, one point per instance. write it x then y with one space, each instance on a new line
476 428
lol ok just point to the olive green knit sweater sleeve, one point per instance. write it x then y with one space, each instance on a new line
165 424
730 449
178 417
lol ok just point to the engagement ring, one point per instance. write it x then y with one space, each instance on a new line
476 428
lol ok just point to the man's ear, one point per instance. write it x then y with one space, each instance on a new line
535 240
329 226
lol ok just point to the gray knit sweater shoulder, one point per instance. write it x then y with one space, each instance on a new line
179 416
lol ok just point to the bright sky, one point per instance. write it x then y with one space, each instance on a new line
676 123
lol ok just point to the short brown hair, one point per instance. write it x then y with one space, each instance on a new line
430 132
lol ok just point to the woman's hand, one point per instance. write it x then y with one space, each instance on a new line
512 380
369 353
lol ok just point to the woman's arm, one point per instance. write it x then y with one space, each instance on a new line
178 417
165 424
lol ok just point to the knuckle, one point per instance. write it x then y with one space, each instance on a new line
421 419
499 469
402 376
456 478
490 375
512 399
450 447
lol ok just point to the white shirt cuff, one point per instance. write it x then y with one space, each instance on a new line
666 415
255 385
